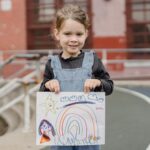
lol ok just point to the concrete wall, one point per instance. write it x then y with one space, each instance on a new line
109 23
12 25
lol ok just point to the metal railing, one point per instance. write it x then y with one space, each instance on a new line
25 82
25 97
39 57
119 55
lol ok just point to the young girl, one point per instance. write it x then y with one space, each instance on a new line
73 69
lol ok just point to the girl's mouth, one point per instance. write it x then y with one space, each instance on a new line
73 46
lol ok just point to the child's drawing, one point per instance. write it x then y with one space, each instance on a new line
72 118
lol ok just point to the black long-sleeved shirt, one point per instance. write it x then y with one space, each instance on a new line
98 72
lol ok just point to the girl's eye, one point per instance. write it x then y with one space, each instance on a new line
79 34
67 33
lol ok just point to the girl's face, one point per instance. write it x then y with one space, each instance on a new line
46 129
72 36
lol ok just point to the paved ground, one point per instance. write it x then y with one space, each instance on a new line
127 117
127 122
127 125
141 89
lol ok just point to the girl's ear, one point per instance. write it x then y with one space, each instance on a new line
56 34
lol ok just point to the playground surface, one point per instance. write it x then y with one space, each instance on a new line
127 124
127 117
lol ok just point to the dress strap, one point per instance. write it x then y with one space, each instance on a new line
88 60
55 62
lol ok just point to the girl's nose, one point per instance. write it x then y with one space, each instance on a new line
73 38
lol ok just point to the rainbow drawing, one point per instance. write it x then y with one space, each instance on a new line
77 121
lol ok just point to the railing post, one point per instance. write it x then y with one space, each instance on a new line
27 116
26 107
38 74
26 112
104 56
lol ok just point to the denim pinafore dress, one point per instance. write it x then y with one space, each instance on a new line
72 80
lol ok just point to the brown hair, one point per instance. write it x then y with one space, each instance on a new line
71 12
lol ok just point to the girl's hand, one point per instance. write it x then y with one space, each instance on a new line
53 85
91 84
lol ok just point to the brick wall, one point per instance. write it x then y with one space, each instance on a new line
12 25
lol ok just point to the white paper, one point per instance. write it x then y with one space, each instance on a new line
70 118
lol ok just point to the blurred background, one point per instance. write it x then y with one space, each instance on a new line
119 34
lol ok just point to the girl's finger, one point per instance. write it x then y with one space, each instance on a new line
57 88
86 87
